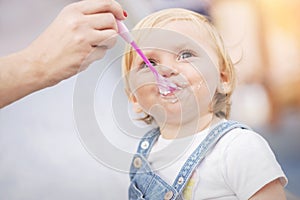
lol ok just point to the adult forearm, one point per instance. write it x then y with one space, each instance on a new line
19 76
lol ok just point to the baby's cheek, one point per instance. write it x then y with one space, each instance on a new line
142 82
146 97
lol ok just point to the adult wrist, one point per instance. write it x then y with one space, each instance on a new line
36 69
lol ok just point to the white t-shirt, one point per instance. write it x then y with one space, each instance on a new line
236 168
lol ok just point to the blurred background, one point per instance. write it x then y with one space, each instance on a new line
41 156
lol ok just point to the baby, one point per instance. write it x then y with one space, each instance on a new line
195 152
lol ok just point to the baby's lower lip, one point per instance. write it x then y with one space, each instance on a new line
168 96
171 94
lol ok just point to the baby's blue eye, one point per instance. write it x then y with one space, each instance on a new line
144 65
185 55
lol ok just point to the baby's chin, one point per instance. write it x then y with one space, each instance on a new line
174 114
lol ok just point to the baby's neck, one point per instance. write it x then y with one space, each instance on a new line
171 131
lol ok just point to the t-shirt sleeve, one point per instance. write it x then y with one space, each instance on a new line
249 164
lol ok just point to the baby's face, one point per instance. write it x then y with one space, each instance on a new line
183 54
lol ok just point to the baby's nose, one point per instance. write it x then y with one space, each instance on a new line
167 71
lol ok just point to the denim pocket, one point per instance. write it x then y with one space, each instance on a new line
134 193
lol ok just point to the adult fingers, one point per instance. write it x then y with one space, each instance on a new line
105 38
96 53
99 48
100 6
102 21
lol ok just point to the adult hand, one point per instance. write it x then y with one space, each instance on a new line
79 35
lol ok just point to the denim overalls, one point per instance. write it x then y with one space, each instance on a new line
147 185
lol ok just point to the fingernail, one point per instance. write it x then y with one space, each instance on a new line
124 13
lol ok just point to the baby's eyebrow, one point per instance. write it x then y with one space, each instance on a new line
181 45
150 52
187 45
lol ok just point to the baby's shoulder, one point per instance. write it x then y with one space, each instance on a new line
239 139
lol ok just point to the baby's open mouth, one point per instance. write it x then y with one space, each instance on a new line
170 92
173 95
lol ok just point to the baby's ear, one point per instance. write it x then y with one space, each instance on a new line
224 77
224 82
132 98
137 108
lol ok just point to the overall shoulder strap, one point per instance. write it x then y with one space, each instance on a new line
199 153
147 142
